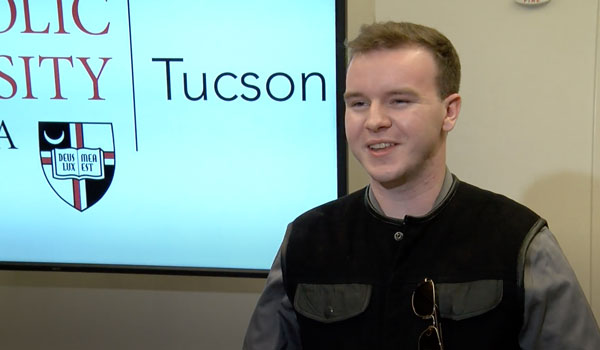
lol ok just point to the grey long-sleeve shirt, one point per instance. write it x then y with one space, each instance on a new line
557 315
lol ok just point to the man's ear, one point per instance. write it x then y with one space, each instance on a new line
452 104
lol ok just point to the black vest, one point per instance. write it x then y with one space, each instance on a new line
351 281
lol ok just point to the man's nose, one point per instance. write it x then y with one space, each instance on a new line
377 118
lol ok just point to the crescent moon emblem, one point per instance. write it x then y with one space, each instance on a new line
54 141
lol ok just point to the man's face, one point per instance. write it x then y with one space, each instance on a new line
396 122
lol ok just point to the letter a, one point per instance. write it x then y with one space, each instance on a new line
6 135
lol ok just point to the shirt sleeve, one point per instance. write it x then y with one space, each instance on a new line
273 325
556 312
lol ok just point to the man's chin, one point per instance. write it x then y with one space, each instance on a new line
389 181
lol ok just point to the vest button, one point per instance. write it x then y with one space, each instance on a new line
329 311
398 236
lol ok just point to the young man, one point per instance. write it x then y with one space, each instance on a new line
418 259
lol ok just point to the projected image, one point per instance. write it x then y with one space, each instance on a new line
182 134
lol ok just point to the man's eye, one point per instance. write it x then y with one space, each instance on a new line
357 104
399 101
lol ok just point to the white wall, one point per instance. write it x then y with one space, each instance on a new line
83 311
526 130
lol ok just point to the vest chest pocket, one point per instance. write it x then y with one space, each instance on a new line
458 301
329 303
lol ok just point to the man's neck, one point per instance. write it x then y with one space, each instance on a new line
415 198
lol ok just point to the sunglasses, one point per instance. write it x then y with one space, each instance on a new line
424 306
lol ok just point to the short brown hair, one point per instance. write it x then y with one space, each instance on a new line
392 35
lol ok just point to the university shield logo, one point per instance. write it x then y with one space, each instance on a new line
78 160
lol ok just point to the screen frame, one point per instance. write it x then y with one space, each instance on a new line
342 189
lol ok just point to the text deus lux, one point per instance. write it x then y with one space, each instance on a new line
55 62
251 85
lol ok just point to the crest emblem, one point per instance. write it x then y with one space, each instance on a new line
78 160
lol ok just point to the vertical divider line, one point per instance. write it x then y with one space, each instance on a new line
132 77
